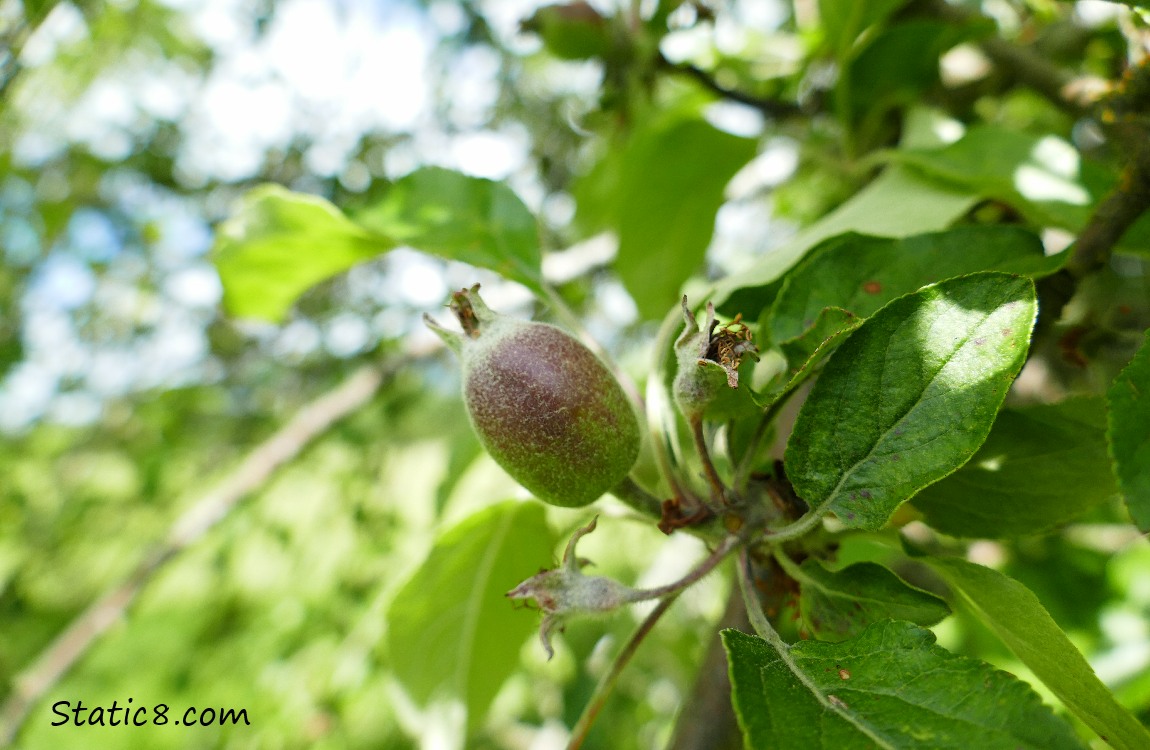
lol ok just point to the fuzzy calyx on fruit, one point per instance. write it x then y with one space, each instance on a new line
708 359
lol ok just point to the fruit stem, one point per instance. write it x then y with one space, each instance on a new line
718 491
661 423
630 492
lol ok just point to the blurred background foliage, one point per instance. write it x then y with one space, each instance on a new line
128 130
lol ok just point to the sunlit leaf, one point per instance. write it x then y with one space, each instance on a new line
923 205
278 244
1019 619
1040 467
1129 432
451 630
458 217
910 396
889 687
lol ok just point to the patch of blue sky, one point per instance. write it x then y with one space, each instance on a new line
92 236
61 282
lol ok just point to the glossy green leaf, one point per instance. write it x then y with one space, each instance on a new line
1129 433
889 687
924 205
458 217
861 274
451 631
1040 467
1019 619
669 191
278 244
910 396
836 605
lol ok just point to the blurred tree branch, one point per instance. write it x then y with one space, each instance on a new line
13 39
253 472
774 108
1021 65
1126 114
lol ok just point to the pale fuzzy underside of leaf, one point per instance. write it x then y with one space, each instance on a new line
451 630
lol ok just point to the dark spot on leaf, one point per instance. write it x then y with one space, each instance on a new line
866 494
1124 310
872 287
896 457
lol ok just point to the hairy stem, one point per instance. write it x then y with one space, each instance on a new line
799 528
724 548
758 619
661 414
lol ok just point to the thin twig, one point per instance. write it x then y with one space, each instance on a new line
607 683
1018 63
1115 214
724 548
253 473
1127 116
774 108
